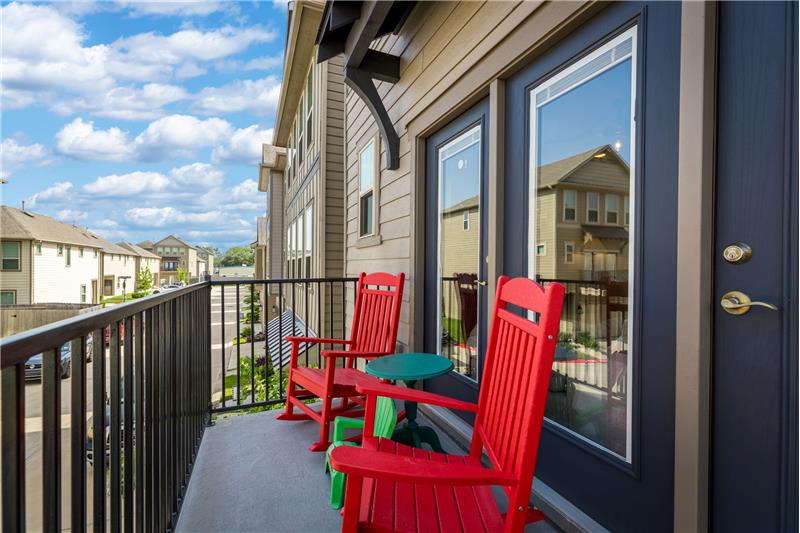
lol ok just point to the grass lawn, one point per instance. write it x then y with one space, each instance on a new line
453 328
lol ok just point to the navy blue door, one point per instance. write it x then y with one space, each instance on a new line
591 171
754 431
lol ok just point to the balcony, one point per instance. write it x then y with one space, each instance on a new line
174 375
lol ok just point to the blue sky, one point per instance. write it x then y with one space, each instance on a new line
140 119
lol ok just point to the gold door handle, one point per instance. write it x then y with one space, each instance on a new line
738 303
481 282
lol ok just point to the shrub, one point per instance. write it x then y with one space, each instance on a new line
585 339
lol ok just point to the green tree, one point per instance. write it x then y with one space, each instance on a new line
144 280
211 250
183 275
256 307
237 256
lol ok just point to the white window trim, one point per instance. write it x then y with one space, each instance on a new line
588 209
564 205
59 250
68 256
465 221
569 244
532 192
373 188
13 294
609 210
37 248
626 210
307 113
544 249
18 258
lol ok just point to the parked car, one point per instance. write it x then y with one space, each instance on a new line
121 333
33 366
107 437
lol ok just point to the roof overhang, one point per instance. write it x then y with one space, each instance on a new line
300 42
273 160
349 28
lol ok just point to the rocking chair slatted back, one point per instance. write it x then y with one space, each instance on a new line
377 312
519 357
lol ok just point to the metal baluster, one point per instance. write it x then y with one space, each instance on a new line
149 431
252 346
280 338
78 433
114 399
128 426
319 321
51 439
99 430
238 350
139 425
307 320
13 447
222 349
294 311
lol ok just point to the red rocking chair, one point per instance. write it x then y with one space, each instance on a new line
392 487
373 334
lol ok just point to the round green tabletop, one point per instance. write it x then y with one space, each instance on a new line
409 366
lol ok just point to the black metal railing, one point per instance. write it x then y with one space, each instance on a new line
248 339
150 392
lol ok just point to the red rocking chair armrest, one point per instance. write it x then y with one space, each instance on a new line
316 340
414 395
351 353
381 465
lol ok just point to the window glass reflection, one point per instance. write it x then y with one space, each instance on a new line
581 146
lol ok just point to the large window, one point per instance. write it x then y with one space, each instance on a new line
11 252
582 133
309 238
366 189
83 294
310 107
68 256
298 124
298 251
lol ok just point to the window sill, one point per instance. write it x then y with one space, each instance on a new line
368 241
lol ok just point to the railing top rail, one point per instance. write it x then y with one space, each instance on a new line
17 348
276 281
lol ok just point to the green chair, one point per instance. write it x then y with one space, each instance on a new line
385 422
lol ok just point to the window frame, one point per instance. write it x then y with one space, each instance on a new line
13 294
83 293
309 237
543 246
465 221
574 194
569 245
308 112
626 210
609 211
59 250
37 248
370 191
299 246
68 256
596 210
18 258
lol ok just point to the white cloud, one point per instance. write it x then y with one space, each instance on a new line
13 155
259 63
46 59
80 140
243 146
197 175
182 8
258 97
157 217
179 135
127 185
71 215
59 191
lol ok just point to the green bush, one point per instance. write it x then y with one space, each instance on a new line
585 339
139 294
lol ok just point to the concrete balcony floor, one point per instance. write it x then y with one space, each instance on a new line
254 473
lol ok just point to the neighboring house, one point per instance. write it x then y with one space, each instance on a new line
145 259
205 263
119 270
303 169
47 261
175 254
632 152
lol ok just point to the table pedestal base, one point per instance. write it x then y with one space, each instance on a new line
412 434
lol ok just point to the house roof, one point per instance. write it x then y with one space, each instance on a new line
557 171
463 205
18 224
138 250
111 248
147 245
171 236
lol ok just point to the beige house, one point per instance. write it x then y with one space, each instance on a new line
175 254
144 260
47 261
119 270
303 169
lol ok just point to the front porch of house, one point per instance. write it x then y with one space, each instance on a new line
254 473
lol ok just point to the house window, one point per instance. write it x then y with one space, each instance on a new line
11 252
95 253
592 207
160 250
570 201
183 251
366 187
298 124
288 250
310 107
627 209
83 294
68 258
38 248
541 249
290 159
309 248
465 221
80 251
612 209
569 252
292 249
60 250
573 103
8 297
298 255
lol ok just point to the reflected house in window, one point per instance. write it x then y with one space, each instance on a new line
575 206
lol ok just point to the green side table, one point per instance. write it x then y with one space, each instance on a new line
410 368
